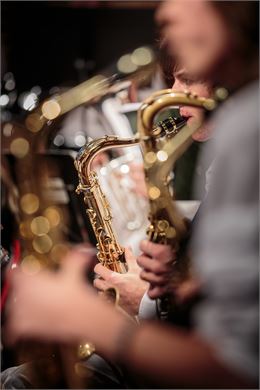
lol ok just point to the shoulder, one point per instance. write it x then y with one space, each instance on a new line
238 119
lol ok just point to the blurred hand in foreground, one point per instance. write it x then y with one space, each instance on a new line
57 306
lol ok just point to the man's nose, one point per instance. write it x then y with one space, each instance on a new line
177 86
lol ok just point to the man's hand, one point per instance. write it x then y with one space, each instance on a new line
157 264
130 286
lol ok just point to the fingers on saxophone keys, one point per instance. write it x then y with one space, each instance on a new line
157 292
153 265
100 284
102 271
154 278
162 252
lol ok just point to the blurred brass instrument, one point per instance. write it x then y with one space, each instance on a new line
42 228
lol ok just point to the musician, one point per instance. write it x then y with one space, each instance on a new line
221 352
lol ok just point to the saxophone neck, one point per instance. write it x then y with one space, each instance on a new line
87 154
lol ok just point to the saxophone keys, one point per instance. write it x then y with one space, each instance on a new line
162 225
79 189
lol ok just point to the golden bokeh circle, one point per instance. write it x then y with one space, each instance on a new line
53 216
30 265
142 56
25 230
34 122
42 244
29 203
51 109
125 64
58 252
19 147
40 226
8 129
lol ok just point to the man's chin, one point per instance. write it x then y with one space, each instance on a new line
201 135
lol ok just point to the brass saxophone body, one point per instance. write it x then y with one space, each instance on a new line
110 253
161 146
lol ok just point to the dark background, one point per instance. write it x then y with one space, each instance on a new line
42 40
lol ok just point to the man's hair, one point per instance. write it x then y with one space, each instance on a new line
170 65
167 63
242 18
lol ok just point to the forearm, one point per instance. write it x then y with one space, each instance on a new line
178 358
168 355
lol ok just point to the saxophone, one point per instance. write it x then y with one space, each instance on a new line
161 146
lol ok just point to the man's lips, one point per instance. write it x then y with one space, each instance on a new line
185 113
187 117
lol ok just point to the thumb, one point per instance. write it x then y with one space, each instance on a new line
76 263
130 258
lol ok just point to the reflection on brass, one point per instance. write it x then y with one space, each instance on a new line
19 147
221 93
162 156
171 233
29 203
86 350
154 192
150 157
163 225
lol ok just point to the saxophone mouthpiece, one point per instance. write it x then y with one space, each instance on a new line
169 127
